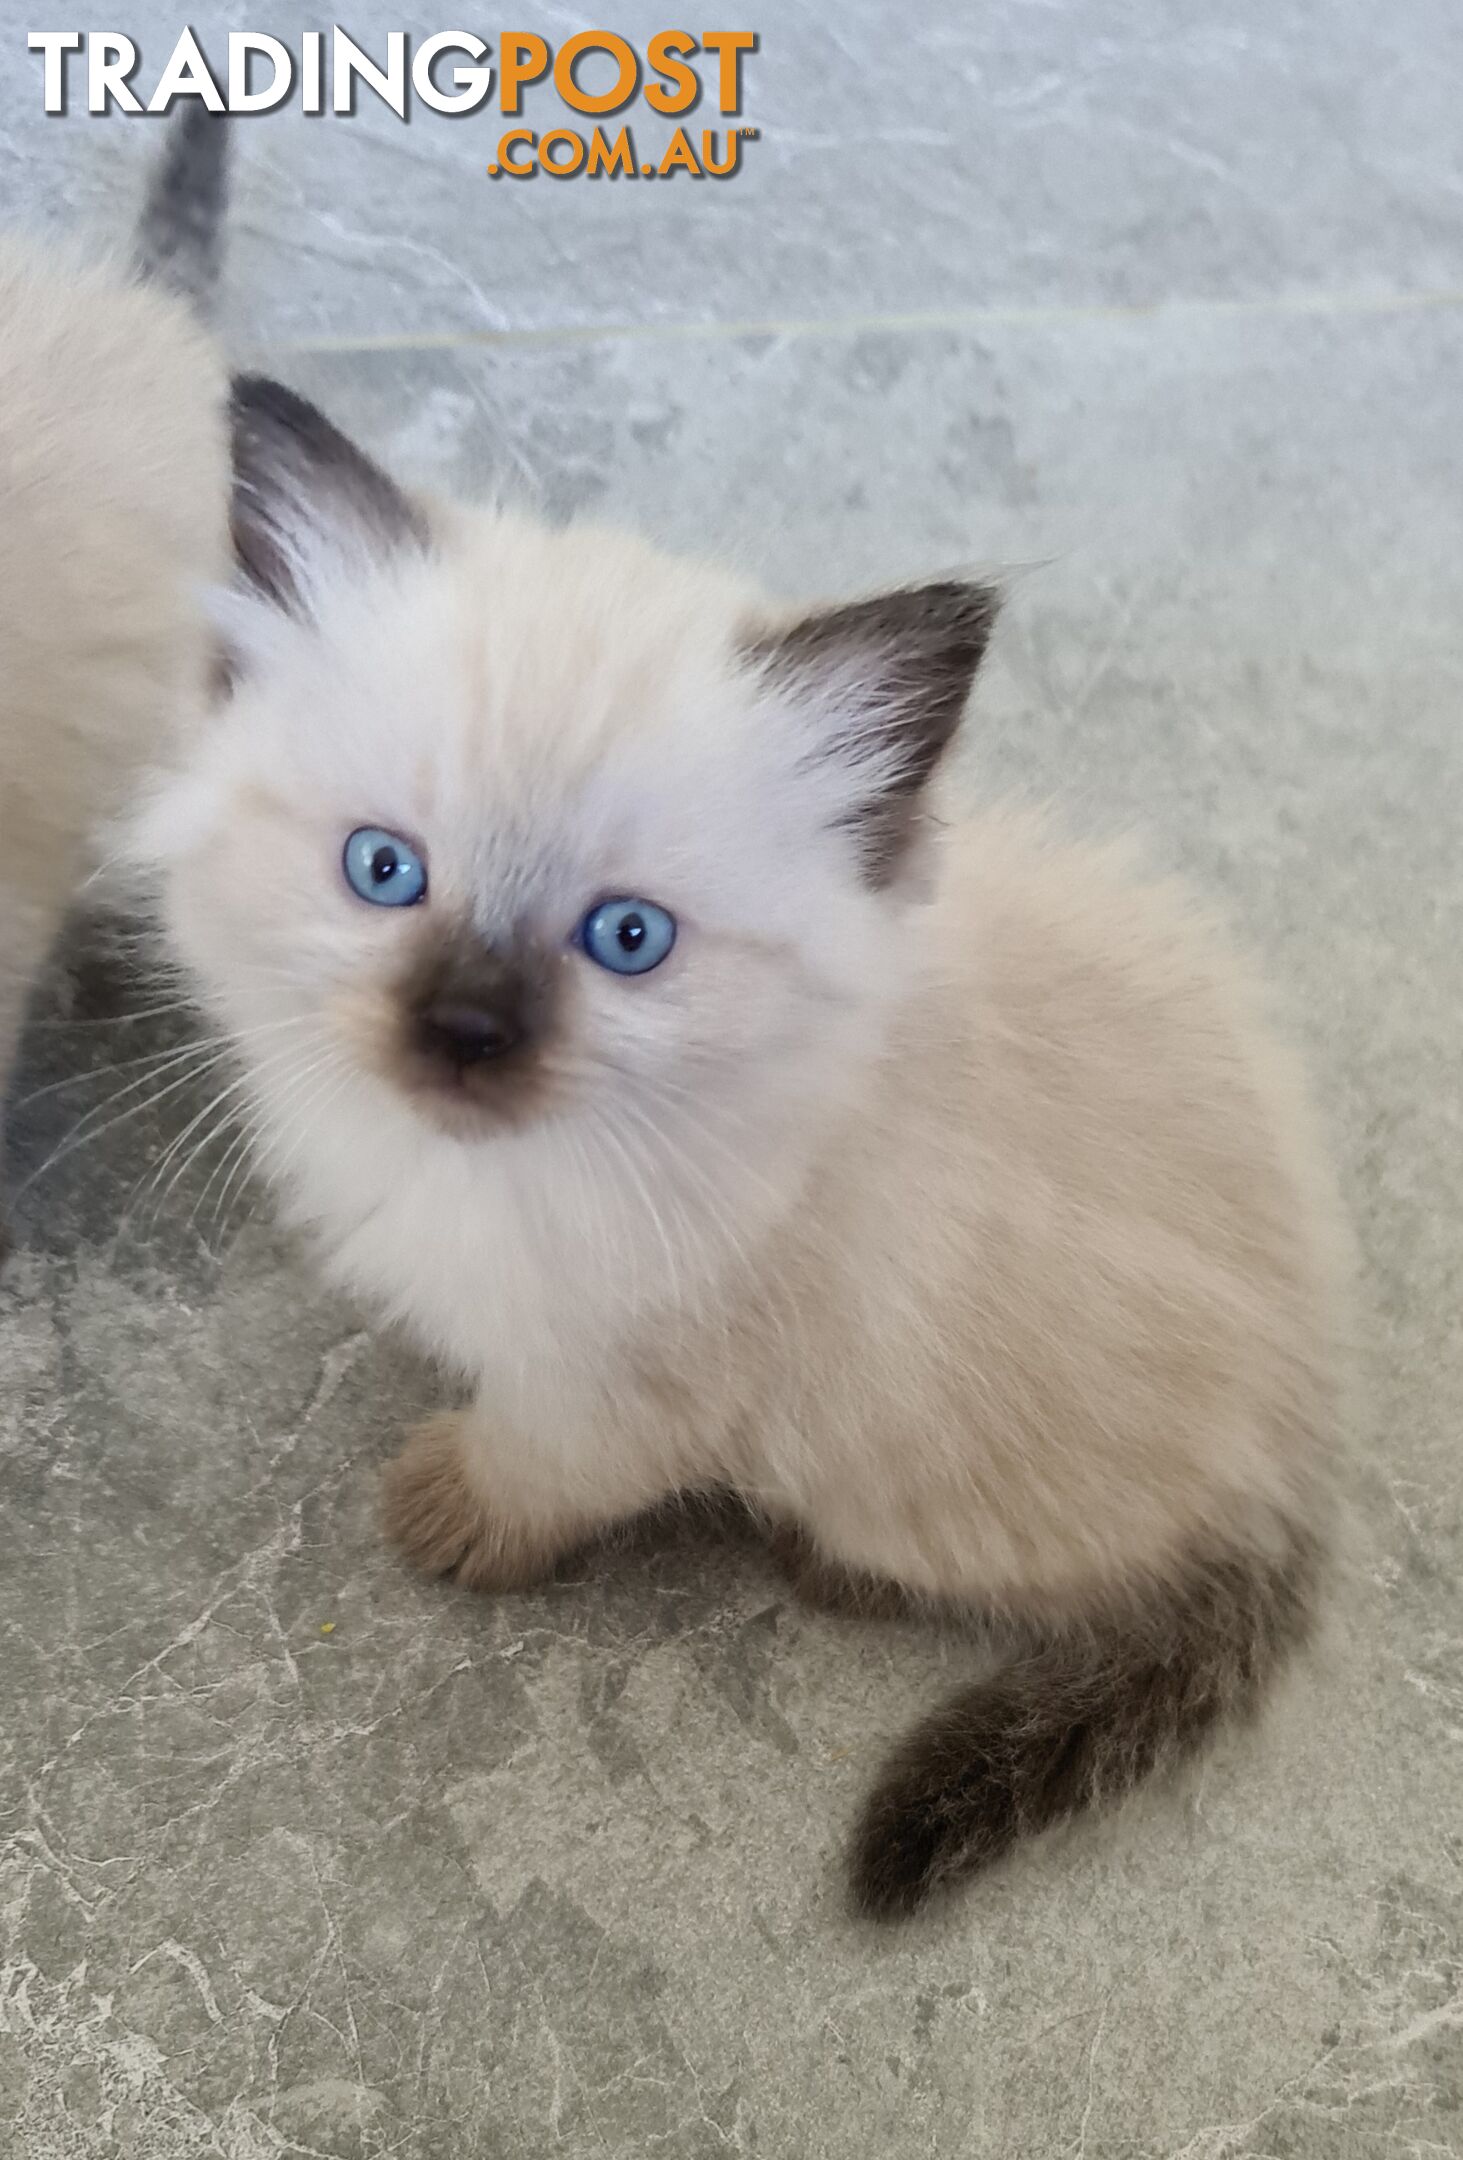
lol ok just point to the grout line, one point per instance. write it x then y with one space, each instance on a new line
834 326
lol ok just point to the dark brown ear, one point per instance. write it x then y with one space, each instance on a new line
305 497
892 675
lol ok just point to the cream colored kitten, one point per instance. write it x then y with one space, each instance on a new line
620 1016
113 515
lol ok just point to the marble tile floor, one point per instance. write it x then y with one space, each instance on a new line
301 1856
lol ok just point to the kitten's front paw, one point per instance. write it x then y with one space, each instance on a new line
432 1510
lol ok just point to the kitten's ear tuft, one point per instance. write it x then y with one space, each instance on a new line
885 682
305 499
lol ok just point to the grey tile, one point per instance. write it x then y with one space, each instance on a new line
941 158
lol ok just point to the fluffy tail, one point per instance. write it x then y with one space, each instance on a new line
179 240
1078 1721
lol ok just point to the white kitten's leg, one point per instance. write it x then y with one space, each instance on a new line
12 1006
27 941
469 1498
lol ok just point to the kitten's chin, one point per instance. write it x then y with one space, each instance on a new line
456 1112
471 1102
455 1070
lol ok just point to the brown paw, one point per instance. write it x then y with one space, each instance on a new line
826 1586
432 1510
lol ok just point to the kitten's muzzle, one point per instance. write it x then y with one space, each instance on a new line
472 1021
467 1035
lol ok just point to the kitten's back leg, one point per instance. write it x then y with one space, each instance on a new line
825 1585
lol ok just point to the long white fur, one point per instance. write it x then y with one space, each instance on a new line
819 1217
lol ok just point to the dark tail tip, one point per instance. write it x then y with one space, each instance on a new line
1001 1760
180 232
901 1849
1077 1722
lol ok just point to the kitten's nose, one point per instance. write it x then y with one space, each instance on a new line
466 1035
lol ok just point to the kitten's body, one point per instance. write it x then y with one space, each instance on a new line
113 501
943 1194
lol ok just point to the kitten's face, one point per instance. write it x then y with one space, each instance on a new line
510 832
421 815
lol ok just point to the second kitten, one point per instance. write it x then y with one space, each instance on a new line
113 517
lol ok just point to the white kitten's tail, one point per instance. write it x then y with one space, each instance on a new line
179 242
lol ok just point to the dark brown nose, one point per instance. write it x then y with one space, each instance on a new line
473 1014
464 1035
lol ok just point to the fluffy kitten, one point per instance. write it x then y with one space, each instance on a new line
113 512
620 1017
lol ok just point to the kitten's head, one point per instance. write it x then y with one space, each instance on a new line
519 839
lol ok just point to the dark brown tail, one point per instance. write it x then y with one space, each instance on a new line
1077 1721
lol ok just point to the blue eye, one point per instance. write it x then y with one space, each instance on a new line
630 937
383 869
